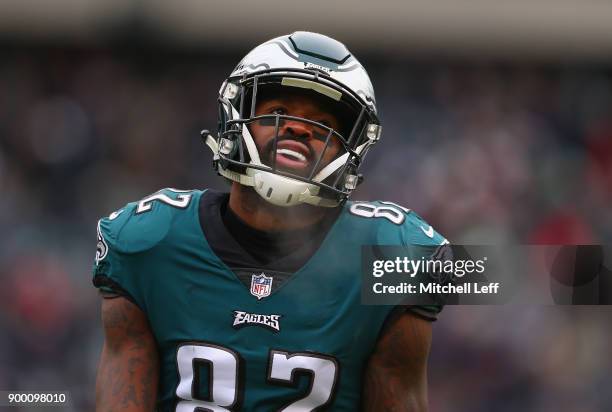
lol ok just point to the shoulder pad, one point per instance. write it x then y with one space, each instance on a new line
139 226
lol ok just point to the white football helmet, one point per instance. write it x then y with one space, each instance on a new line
315 64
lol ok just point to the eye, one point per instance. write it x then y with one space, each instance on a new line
325 123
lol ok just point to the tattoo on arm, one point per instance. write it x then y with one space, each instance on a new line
129 367
396 377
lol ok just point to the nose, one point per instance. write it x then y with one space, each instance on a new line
296 128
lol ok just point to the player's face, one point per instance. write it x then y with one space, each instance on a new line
299 144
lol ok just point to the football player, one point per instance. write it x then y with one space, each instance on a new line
250 300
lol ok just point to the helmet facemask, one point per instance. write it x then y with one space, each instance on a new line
238 158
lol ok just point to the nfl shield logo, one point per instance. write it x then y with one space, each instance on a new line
261 285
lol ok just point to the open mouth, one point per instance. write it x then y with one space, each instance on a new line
292 154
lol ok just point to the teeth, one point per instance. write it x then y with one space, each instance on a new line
292 153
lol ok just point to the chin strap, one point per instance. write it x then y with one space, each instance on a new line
314 200
212 143
233 176
236 177
335 165
310 195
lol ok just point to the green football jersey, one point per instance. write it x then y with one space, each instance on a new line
295 344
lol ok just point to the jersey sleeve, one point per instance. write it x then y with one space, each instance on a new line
417 232
124 238
112 271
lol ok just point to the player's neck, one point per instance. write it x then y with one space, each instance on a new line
261 215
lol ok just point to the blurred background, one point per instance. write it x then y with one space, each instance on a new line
497 129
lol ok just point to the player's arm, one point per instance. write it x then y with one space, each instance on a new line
396 375
128 372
